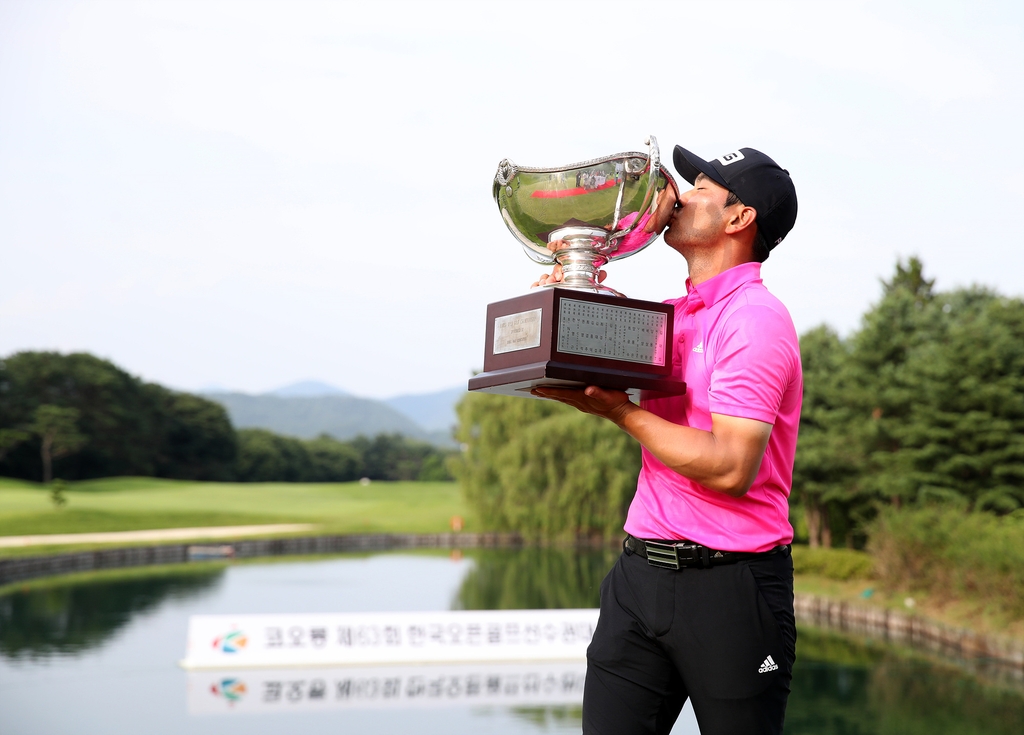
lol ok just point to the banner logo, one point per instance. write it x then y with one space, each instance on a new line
232 642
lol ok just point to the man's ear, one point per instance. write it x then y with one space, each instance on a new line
741 219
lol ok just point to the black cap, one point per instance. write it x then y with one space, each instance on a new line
757 180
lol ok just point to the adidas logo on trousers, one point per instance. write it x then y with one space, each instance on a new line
768 665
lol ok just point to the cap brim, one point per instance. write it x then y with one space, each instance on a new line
690 167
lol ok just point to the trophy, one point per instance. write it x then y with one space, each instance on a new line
579 332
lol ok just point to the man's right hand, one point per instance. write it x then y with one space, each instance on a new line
555 276
666 208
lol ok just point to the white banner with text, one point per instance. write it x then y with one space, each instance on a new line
353 639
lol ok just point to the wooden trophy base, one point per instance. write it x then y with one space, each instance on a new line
560 337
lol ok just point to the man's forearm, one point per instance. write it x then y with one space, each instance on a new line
725 459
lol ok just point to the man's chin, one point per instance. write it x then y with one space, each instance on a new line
676 239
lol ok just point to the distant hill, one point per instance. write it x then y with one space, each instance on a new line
342 416
432 411
311 407
305 389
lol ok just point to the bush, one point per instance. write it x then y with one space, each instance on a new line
841 564
950 552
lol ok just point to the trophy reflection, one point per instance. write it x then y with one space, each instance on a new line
579 332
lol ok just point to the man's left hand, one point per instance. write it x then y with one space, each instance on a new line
613 405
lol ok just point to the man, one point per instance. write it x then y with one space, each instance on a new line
700 604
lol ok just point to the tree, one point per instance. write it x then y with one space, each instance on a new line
393 457
115 413
131 427
544 469
264 456
333 461
829 461
924 401
10 438
58 433
195 438
963 437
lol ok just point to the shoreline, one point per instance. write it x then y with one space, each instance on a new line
959 644
158 534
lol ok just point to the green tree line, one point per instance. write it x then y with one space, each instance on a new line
77 417
924 402
543 469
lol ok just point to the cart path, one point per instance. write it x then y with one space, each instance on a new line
160 534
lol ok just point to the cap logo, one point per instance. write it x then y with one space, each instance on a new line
731 158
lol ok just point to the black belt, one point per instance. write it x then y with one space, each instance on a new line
684 554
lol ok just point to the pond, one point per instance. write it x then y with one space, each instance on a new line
100 654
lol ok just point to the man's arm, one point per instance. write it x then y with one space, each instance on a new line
725 459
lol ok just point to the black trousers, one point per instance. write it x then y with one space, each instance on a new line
724 637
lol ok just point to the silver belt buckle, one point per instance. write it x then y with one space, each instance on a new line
665 556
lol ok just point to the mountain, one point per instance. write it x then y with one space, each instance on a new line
342 416
432 411
309 408
306 389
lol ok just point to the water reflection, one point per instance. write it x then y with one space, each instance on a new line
844 686
78 616
287 689
127 634
841 685
534 579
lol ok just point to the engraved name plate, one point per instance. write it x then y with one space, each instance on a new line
517 331
617 332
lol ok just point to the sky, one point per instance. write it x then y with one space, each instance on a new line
249 194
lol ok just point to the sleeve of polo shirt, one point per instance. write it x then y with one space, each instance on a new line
753 364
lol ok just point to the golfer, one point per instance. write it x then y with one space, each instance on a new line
700 604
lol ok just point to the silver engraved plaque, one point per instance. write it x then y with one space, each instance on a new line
517 331
616 332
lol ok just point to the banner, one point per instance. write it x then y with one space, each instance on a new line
352 639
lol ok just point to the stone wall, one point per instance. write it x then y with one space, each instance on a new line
19 569
895 626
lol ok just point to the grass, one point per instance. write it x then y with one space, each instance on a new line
851 576
75 520
135 503
976 614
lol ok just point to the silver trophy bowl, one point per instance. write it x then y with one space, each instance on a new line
583 215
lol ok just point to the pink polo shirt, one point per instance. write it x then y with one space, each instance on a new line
737 350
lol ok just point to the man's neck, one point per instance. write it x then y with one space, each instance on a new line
706 263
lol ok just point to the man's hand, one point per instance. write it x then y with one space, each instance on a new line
555 276
613 405
666 206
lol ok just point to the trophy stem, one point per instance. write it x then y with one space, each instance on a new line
581 255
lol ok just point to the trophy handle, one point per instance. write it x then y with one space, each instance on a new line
506 172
